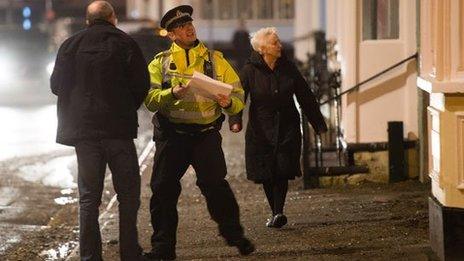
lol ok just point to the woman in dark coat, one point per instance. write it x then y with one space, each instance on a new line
273 136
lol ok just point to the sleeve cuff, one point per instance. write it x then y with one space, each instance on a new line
172 94
168 96
235 106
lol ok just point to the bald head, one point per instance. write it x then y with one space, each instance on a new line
100 10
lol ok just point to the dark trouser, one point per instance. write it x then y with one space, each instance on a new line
121 157
276 191
172 158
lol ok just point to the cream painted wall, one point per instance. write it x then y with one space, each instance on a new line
332 23
442 75
341 25
306 21
393 96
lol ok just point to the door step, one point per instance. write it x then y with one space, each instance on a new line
337 170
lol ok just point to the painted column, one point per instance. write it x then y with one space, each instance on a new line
306 21
342 25
442 75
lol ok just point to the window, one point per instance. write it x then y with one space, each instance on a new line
226 10
207 10
380 19
265 9
248 9
245 9
286 9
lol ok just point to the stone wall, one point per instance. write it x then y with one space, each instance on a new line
378 169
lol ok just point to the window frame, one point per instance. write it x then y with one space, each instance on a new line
393 34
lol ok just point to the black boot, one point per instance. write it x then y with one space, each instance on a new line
244 246
270 222
158 256
279 220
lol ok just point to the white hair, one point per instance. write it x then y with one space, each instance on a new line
258 38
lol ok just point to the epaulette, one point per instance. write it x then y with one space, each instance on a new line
163 54
218 53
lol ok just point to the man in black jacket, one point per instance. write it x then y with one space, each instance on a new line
100 78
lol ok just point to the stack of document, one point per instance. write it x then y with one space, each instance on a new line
208 87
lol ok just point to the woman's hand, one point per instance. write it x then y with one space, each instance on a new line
236 127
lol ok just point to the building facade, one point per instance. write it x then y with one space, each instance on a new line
424 94
372 36
442 76
216 20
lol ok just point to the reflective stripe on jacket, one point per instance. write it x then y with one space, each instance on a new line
175 66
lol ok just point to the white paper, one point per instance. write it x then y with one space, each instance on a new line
207 87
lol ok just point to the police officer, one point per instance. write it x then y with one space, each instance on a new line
186 132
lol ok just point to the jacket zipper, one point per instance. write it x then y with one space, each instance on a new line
187 54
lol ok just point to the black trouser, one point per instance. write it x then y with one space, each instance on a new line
172 158
121 157
276 191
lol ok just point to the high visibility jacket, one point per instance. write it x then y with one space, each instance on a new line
175 66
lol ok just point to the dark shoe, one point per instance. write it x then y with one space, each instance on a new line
279 221
244 246
155 255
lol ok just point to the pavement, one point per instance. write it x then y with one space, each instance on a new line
366 222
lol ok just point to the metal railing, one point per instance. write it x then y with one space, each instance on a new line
356 87
318 148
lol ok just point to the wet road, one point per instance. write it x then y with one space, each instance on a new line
28 131
38 176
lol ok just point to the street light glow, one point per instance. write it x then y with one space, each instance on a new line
27 24
6 73
27 12
50 67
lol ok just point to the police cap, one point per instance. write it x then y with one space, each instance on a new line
177 16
